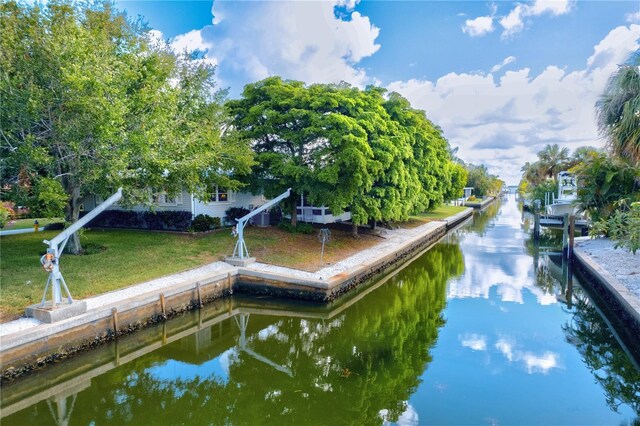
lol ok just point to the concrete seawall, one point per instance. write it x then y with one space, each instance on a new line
30 349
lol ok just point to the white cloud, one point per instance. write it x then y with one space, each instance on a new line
533 363
296 40
474 341
633 17
479 26
508 60
504 122
514 21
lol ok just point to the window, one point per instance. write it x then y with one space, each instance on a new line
220 195
163 199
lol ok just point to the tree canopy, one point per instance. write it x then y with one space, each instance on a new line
345 148
91 103
618 110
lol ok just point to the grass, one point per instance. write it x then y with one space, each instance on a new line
131 257
28 223
440 213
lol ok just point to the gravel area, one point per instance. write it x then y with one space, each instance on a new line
157 284
620 263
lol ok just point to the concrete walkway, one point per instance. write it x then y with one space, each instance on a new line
616 268
19 231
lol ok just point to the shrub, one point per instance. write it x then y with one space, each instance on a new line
302 228
203 223
233 213
160 221
623 227
5 215
57 226
472 198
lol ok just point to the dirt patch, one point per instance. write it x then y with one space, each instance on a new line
301 251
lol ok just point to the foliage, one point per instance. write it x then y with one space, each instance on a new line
342 147
90 100
623 226
539 177
299 228
482 182
233 213
203 223
603 181
5 216
158 221
50 198
618 110
539 191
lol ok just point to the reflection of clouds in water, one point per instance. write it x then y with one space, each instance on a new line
409 417
225 361
479 278
534 363
498 259
265 333
477 342
542 363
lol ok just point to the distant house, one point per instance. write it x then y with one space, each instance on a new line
314 214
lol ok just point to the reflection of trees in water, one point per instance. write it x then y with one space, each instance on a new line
345 370
603 355
482 218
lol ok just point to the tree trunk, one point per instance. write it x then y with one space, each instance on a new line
294 210
72 215
354 229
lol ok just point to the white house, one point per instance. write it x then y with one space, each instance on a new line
220 200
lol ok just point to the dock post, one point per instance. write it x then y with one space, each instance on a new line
565 235
572 228
536 220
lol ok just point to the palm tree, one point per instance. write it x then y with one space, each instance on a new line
618 110
553 159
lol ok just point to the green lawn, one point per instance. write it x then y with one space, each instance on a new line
439 213
28 223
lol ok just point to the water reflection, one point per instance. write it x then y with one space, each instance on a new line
610 364
498 261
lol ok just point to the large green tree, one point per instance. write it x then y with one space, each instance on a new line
310 139
618 110
343 147
91 103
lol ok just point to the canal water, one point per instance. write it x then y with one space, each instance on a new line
484 328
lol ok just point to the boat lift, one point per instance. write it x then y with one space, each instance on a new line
51 261
240 251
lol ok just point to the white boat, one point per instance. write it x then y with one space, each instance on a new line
567 199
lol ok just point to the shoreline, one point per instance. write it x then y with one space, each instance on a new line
28 344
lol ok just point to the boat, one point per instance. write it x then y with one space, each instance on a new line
567 200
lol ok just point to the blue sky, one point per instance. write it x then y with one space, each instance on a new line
502 79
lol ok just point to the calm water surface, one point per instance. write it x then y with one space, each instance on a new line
481 329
